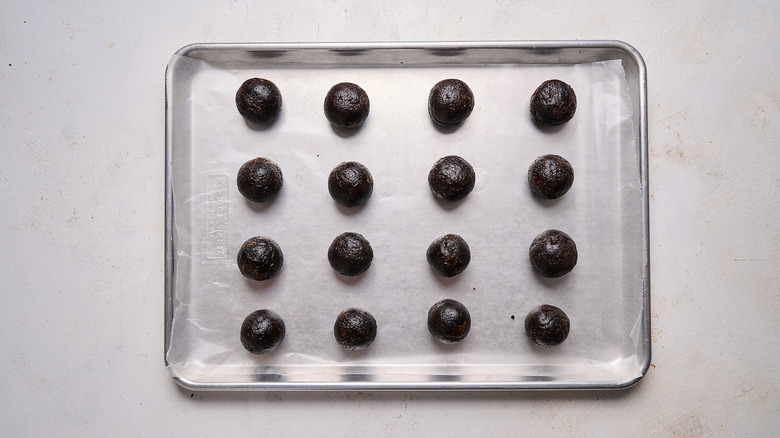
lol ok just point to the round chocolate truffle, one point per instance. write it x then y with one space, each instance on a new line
550 176
260 258
355 329
259 100
350 184
449 255
346 105
449 321
553 103
553 254
259 180
451 178
350 254
450 102
547 326
262 331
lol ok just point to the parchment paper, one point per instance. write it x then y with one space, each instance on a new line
399 144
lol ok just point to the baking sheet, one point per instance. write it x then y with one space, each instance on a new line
603 212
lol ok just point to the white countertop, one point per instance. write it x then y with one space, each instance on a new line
81 181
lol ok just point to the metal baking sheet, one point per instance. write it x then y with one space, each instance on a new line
606 296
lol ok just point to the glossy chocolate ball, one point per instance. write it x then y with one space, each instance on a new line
260 258
547 326
449 321
553 103
259 180
451 178
350 254
355 329
346 105
262 331
550 176
350 184
259 100
449 255
553 254
450 102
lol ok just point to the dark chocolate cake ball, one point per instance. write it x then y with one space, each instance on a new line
451 178
449 321
355 329
550 176
350 184
346 105
449 255
259 100
553 103
547 326
553 254
260 258
262 331
259 180
350 254
450 102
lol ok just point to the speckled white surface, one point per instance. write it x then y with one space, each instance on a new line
81 182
